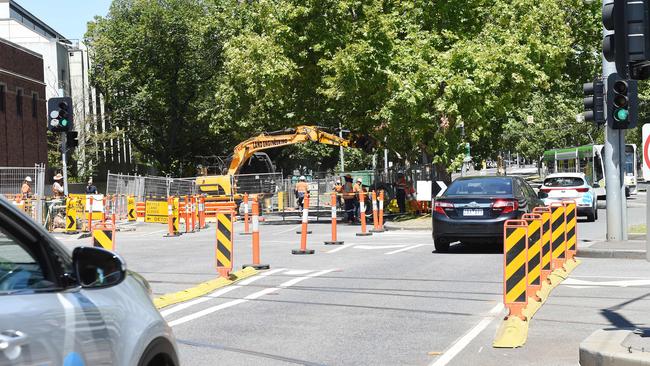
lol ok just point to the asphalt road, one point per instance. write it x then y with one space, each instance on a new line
379 300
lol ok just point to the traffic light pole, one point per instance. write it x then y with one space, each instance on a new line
612 161
64 164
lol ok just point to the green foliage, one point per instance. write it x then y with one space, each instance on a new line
195 77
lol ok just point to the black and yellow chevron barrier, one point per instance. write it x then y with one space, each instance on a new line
71 216
104 238
224 243
534 263
130 208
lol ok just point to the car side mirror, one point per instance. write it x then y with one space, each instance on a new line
97 268
542 195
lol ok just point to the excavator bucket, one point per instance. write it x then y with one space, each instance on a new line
365 142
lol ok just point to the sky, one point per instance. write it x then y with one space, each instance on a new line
68 17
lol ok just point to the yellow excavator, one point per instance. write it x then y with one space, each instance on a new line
223 187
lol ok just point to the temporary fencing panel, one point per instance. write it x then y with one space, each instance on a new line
11 180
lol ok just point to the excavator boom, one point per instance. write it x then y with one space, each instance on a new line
264 141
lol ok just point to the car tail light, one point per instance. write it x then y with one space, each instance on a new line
582 190
505 206
545 190
440 206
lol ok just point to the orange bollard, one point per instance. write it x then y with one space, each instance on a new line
104 209
362 211
381 211
187 214
246 225
303 238
333 241
193 212
256 238
201 212
375 215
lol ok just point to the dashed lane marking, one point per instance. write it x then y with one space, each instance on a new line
218 293
252 296
339 248
408 248
465 340
371 247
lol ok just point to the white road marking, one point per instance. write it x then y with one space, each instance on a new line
298 272
339 248
248 281
200 300
612 277
252 296
293 228
371 247
407 248
625 283
218 293
463 341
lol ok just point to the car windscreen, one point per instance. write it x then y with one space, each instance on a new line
480 187
563 182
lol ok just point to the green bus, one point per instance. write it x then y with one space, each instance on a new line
588 159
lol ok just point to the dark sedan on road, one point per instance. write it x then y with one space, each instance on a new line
473 209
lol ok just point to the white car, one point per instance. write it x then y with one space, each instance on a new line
571 186
81 308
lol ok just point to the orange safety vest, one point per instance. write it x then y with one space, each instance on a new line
348 191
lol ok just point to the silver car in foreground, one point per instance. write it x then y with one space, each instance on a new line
73 309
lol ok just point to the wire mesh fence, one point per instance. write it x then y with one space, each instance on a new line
142 187
11 181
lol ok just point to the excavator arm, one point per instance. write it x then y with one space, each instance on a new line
264 141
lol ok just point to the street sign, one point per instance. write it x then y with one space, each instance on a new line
646 152
438 188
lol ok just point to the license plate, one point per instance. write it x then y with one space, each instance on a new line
473 212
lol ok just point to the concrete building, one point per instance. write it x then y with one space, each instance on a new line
22 28
66 65
23 131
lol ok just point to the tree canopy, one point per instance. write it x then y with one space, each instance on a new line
195 77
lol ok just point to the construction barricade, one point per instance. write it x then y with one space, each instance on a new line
334 240
304 230
536 259
224 249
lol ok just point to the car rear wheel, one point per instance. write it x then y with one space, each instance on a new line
159 353
593 215
441 244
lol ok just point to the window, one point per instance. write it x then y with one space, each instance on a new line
34 105
19 269
19 102
564 182
2 98
483 186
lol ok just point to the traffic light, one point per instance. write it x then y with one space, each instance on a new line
622 102
629 45
59 112
594 102
71 139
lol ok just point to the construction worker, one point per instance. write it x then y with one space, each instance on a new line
301 190
358 188
338 189
57 187
400 192
349 199
90 187
26 189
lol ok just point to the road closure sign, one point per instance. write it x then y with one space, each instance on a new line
646 152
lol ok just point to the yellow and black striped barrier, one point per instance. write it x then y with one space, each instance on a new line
104 238
224 242
545 213
571 219
71 216
130 208
534 263
514 329
558 236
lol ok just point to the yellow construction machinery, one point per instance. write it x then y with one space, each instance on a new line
223 187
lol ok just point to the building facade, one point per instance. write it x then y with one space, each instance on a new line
23 130
66 64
